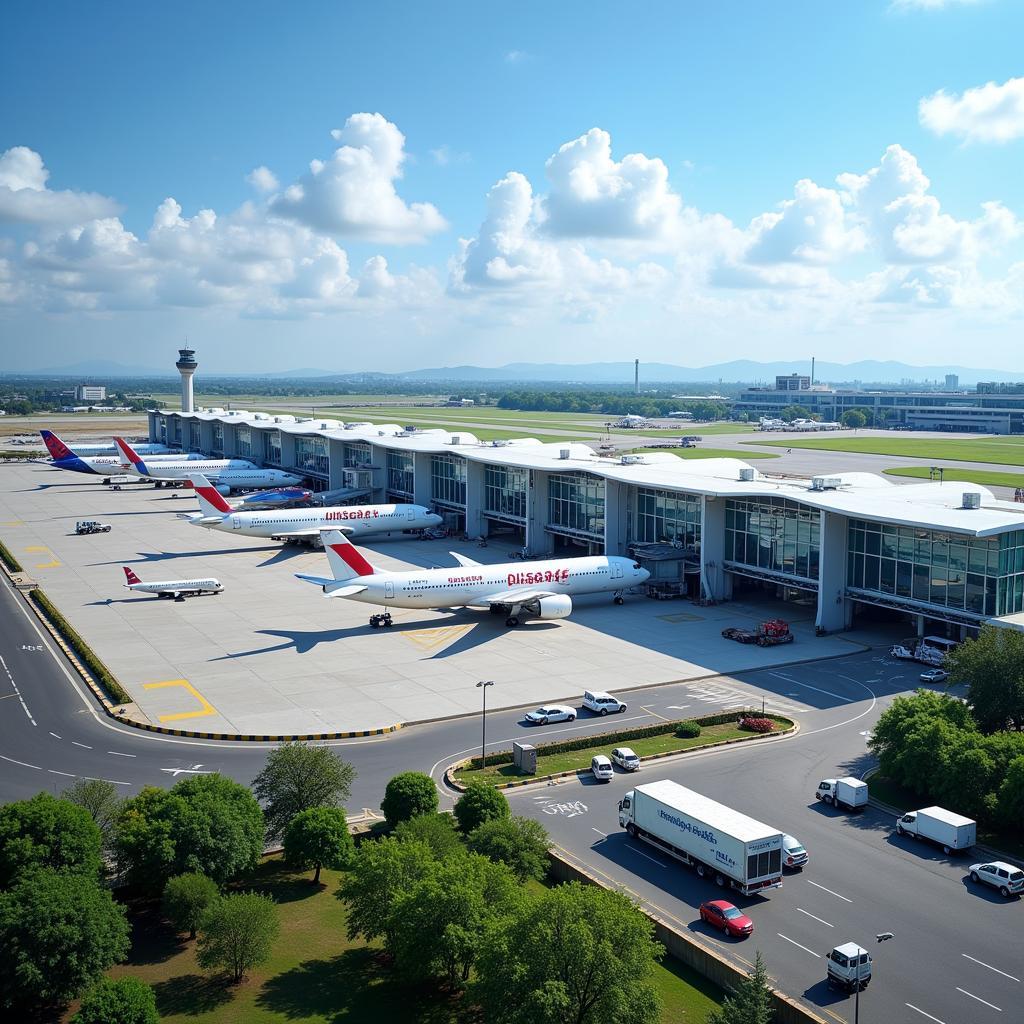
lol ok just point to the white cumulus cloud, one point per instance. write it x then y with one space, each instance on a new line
986 113
24 197
262 179
352 193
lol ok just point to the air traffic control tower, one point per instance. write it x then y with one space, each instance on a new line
186 365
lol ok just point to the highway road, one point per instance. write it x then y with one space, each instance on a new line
956 956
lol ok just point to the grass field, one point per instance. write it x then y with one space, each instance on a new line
711 453
574 760
317 976
990 478
1005 451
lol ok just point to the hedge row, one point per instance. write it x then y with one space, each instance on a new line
102 674
639 733
9 560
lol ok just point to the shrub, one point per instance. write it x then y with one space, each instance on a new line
478 804
9 560
757 724
688 730
407 795
186 898
124 1001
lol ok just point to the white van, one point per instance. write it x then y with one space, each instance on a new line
602 768
602 703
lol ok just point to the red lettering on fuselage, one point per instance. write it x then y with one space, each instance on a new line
353 513
465 579
541 576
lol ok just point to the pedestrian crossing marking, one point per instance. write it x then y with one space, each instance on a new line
439 636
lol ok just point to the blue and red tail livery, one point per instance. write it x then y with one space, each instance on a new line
129 453
55 446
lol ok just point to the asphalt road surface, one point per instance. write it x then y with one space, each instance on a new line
957 954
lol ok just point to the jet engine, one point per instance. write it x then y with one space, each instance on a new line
556 607
222 489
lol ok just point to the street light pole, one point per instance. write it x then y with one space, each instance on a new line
482 685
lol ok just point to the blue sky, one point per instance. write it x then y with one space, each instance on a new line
676 232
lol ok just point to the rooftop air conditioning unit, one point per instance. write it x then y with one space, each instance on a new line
456 439
564 453
972 499
826 483
746 474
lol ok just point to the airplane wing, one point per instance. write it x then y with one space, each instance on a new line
464 560
310 531
518 595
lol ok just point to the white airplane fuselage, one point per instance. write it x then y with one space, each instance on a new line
173 588
355 520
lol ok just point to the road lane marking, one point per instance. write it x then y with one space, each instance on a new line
54 735
205 707
22 763
923 1014
980 1000
14 686
53 771
640 853
817 956
117 753
818 919
818 689
654 713
676 707
598 831
982 963
84 746
823 889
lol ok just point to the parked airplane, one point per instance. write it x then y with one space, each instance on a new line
543 589
306 524
178 589
143 448
285 497
227 475
101 465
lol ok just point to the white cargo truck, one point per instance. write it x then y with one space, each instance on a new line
953 832
717 841
850 793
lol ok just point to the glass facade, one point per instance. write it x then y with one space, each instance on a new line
161 429
401 473
356 455
505 491
176 431
272 447
195 443
773 535
981 576
448 479
218 438
311 455
667 516
576 504
243 442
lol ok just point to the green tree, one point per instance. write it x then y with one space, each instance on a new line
440 923
60 932
318 837
298 776
45 832
380 872
478 804
124 1001
966 780
237 933
407 795
795 412
575 955
436 830
751 1003
186 898
992 666
100 798
206 823
1010 804
854 419
519 843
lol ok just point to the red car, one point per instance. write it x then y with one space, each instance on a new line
725 916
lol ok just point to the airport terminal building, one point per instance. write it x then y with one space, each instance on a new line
849 545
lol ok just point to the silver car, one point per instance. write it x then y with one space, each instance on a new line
626 759
551 713
1009 880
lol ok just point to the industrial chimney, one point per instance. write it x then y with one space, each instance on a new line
186 365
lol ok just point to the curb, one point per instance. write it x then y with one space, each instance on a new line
460 787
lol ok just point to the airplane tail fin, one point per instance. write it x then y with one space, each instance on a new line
211 501
129 454
55 446
130 576
344 558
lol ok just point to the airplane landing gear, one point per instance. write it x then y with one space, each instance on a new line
384 619
512 621
619 599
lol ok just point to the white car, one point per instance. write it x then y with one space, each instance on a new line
602 703
626 759
602 768
794 856
1009 880
934 675
551 713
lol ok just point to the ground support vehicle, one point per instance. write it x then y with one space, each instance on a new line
953 832
91 526
849 967
773 632
383 619
848 792
715 840
741 636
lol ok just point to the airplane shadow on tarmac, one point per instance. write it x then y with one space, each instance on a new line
147 557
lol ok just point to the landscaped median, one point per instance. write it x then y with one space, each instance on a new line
571 757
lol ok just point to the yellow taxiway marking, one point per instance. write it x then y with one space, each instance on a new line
206 707
13 522
432 639
52 564
655 714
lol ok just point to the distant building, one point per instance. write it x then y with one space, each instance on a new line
792 382
90 393
1000 387
952 381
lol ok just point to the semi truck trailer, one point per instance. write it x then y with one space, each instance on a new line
715 840
953 832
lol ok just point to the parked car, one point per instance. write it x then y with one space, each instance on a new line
934 675
626 759
602 703
728 918
742 636
1009 880
794 856
602 768
551 713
